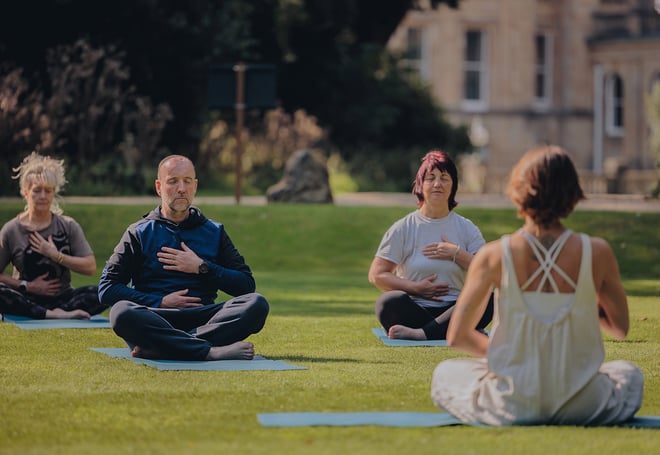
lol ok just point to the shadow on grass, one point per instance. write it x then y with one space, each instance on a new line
642 288
631 341
300 358
320 309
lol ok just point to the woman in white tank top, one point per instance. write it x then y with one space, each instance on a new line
556 290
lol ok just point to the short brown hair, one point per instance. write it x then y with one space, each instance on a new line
544 185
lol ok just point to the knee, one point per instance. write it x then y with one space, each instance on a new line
441 371
120 313
633 373
441 374
631 384
388 301
622 369
257 312
259 305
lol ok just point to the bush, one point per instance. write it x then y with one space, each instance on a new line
90 116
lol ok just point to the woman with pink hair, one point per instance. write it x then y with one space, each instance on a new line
422 259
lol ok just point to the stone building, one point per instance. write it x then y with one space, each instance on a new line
521 73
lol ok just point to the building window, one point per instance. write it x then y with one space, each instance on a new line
413 44
543 70
655 80
415 56
475 77
614 106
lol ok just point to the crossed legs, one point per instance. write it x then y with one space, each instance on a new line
402 318
78 303
210 332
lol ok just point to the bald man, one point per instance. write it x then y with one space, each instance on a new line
165 273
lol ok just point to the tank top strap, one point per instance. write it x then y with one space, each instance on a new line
547 258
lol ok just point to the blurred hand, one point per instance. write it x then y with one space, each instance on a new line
430 290
179 299
42 286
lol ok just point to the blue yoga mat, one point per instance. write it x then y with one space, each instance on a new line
382 336
95 322
258 363
347 419
393 419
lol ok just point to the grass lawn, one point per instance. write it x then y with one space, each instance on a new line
311 262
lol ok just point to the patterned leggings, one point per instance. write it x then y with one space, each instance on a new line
82 298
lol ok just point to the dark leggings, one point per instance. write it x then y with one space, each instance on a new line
396 307
16 303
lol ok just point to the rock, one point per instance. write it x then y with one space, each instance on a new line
305 180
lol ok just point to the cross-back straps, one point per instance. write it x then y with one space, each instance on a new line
547 258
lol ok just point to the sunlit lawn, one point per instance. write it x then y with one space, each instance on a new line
57 396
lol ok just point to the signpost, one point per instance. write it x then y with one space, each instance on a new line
241 86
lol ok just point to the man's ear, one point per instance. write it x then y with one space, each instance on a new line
158 187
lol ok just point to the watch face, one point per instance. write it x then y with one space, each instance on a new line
203 267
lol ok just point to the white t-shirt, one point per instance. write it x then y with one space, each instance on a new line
403 242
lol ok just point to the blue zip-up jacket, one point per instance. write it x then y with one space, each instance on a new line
133 272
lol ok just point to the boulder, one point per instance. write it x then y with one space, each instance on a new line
305 180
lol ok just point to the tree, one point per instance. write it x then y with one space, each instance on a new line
335 64
167 46
92 116
321 48
23 124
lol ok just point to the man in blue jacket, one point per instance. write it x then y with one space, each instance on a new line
164 275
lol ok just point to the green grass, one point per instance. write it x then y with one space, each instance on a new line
57 396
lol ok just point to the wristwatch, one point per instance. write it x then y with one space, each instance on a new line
203 268
23 286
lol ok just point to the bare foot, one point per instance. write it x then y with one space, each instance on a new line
59 313
241 350
145 353
238 351
401 332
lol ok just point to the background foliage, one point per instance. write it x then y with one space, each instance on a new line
112 86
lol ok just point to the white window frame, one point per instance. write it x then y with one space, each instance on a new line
543 70
655 79
481 68
420 64
613 102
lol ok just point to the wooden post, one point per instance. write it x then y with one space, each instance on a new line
240 119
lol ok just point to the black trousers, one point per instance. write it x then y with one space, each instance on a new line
189 333
397 307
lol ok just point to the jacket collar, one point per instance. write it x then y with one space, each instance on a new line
195 218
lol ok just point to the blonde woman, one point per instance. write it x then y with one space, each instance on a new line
43 247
